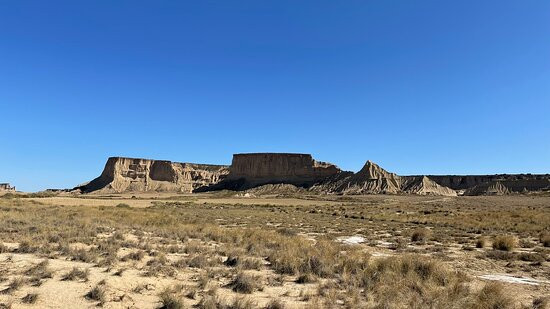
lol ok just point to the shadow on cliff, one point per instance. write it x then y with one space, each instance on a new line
233 185
241 185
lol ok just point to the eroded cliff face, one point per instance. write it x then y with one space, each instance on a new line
256 169
132 174
253 169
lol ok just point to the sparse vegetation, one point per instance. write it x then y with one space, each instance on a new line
481 242
306 278
275 304
77 274
245 283
420 235
492 295
97 293
170 300
29 298
39 271
123 205
14 285
505 243
177 242
545 239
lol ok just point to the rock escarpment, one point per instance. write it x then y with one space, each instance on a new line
254 169
131 174
499 184
281 171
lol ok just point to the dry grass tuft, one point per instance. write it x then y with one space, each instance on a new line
210 302
39 272
541 303
29 298
481 242
275 304
306 278
135 256
4 248
421 235
493 295
97 293
14 285
505 243
545 239
242 303
170 300
244 262
244 283
77 274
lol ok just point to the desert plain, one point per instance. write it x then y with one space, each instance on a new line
273 247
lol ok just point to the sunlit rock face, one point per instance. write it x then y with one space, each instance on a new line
132 174
291 168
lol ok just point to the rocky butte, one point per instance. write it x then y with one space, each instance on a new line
299 169
131 174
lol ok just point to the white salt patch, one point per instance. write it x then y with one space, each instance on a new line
380 254
351 240
384 243
511 279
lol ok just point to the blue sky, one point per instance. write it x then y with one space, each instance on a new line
420 87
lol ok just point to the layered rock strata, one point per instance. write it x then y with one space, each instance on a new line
131 174
250 170
254 169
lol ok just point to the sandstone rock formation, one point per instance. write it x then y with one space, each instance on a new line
282 173
254 169
372 179
494 184
6 187
423 185
130 174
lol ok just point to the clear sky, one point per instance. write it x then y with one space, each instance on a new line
420 87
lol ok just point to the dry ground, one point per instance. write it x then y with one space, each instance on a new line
296 251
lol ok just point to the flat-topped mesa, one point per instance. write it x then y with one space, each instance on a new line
269 168
132 174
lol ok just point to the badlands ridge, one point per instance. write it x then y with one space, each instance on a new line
291 171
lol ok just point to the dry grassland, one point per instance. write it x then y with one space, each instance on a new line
222 251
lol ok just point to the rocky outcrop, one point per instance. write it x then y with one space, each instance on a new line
372 179
253 169
498 184
131 174
6 187
423 185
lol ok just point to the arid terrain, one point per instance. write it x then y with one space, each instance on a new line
261 248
